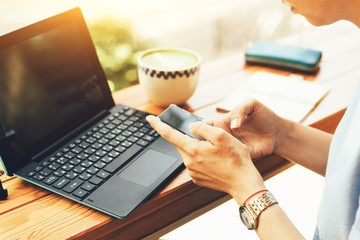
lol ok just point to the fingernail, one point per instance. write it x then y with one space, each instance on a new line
150 118
234 123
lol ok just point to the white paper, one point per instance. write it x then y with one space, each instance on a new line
290 97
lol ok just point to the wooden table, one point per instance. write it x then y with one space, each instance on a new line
33 213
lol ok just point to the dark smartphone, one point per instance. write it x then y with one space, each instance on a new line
179 119
277 55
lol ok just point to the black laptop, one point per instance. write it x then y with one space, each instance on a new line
60 128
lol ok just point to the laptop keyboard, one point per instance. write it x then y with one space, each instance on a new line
84 164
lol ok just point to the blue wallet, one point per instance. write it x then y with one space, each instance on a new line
283 56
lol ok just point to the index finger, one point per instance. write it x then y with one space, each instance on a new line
170 134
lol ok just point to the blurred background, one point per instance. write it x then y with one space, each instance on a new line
122 29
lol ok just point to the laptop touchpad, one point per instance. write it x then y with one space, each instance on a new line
147 168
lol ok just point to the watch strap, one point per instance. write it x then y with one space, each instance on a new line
260 203
253 207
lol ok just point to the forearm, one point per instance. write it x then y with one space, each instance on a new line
274 224
304 145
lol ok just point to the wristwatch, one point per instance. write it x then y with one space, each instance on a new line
250 211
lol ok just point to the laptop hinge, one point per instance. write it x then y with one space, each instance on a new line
67 137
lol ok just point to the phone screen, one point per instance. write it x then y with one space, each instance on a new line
179 119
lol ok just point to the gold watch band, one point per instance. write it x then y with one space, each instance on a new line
259 204
251 210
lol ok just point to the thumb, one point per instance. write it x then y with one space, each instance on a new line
214 135
242 111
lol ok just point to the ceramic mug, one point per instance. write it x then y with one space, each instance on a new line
169 75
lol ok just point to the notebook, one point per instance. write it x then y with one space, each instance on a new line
60 128
290 97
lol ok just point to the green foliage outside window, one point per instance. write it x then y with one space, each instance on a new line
117 50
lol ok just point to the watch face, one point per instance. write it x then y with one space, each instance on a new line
246 218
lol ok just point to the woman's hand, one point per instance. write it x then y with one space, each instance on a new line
222 162
254 125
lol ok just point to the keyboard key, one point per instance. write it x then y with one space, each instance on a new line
85 176
106 159
76 150
90 140
130 112
50 180
120 138
89 151
97 146
132 129
142 142
148 138
113 154
110 136
67 167
45 172
93 158
69 155
38 169
61 183
145 129
138 134
88 186
86 164
102 174
65 150
59 173
122 127
126 144
44 164
92 170
95 180
82 156
71 175
116 122
133 139
134 118
122 117
103 141
79 169
114 143
72 145
138 124
141 114
39 177
123 158
61 160
104 130
98 135
116 131
53 166
84 145
120 149
100 153
128 122
80 193
72 185
107 148
110 126
75 161
31 174
99 164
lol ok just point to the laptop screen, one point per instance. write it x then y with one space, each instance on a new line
50 83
